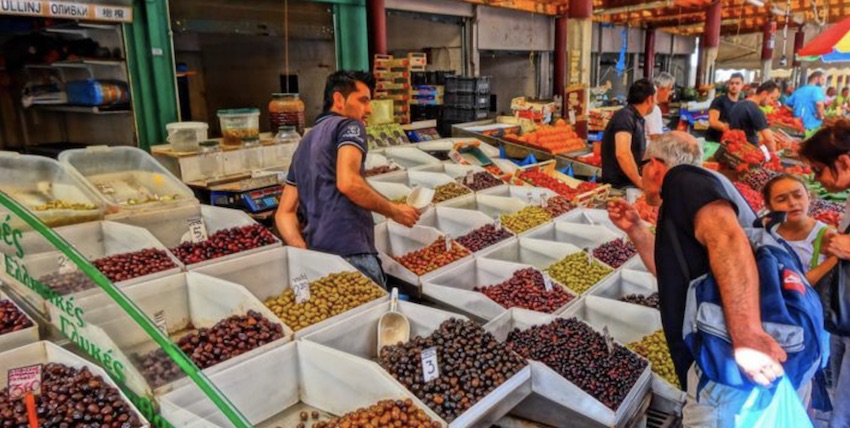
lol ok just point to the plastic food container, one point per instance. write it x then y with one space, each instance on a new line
127 178
238 124
48 189
185 136
286 110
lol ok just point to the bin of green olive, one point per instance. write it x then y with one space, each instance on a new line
525 219
449 191
578 272
60 204
329 296
399 200
654 348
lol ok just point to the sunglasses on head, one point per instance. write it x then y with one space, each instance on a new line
647 160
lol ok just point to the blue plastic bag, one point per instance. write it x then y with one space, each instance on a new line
777 407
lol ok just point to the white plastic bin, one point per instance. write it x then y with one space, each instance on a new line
375 160
391 191
520 192
409 157
394 240
268 274
35 181
455 288
452 170
556 401
359 337
431 180
15 339
581 235
624 283
185 301
492 206
45 352
459 222
590 216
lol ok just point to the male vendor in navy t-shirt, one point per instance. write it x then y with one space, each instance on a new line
325 183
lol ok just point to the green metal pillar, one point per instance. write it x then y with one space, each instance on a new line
150 59
352 45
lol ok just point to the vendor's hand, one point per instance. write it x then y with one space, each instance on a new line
624 215
405 215
838 245
760 357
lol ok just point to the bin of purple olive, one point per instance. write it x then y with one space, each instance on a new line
16 327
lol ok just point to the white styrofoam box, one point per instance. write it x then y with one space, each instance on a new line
458 222
15 339
44 352
636 263
556 401
390 191
450 169
394 240
628 323
269 274
287 378
527 194
580 235
171 227
411 179
446 144
129 172
185 302
374 160
590 216
492 206
455 287
409 157
625 282
359 337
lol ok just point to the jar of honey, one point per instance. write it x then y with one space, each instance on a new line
287 110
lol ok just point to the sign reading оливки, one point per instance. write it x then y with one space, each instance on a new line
63 9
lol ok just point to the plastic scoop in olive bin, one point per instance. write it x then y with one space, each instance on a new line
393 327
420 197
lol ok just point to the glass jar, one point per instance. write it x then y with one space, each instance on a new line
285 143
252 153
210 160
287 110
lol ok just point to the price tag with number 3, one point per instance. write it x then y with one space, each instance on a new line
430 367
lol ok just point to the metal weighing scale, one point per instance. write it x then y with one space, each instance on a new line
258 196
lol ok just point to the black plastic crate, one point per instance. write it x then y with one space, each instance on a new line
454 114
424 112
467 85
476 101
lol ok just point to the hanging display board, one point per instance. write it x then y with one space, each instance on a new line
67 10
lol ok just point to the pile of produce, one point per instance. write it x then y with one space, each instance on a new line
783 116
387 413
525 219
449 191
594 159
480 181
11 318
577 272
329 296
126 266
756 178
647 212
557 206
556 139
651 301
209 346
580 354
67 282
654 348
59 204
736 144
527 289
223 243
71 397
483 237
432 257
541 179
615 253
754 199
383 169
827 212
471 365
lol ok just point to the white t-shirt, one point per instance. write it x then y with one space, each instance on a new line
654 122
805 248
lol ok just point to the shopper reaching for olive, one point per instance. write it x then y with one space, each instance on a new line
325 183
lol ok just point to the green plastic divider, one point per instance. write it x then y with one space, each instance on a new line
170 348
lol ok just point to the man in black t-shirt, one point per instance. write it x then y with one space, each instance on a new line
705 212
718 113
747 115
624 139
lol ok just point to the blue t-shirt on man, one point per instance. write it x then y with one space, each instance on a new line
804 102
335 224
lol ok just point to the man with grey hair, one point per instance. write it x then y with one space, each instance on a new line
664 83
704 212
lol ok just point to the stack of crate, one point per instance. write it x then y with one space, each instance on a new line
427 94
467 100
392 77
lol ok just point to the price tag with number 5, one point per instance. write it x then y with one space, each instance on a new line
23 381
430 367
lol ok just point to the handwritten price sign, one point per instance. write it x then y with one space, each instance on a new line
24 380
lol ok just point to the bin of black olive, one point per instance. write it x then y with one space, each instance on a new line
577 382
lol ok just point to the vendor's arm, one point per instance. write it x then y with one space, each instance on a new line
286 218
768 139
821 110
626 217
762 126
714 121
734 268
625 158
351 183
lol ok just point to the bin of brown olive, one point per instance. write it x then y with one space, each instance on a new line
472 364
127 266
381 169
225 242
528 289
387 413
432 257
448 191
480 180
526 219
579 272
557 206
615 253
484 237
16 327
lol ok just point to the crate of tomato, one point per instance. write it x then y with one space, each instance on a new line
737 153
581 193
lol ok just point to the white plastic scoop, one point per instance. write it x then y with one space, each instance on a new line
393 327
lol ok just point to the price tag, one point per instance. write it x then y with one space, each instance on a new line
448 243
23 381
547 282
456 157
530 197
197 230
430 367
766 153
609 341
301 287
544 203
159 320
589 255
470 177
497 222
66 266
